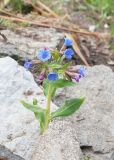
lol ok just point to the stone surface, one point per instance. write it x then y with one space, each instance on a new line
19 131
28 41
5 154
94 122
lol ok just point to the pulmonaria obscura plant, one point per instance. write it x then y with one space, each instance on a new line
56 73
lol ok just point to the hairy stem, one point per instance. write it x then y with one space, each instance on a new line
48 105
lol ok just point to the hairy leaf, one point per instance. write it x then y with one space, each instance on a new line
64 67
54 66
68 108
41 116
55 54
31 107
60 83
39 113
35 102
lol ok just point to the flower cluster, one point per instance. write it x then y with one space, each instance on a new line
55 74
44 55
69 52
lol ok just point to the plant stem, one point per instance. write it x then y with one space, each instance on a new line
48 105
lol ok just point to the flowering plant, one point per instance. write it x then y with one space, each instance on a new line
55 74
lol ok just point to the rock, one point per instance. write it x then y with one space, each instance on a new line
94 122
5 154
81 18
8 49
19 131
110 62
28 41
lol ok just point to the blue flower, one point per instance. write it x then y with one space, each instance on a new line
27 64
44 55
69 53
68 42
81 71
52 76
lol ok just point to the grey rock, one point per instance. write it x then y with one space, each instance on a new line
94 122
8 49
19 131
5 154
26 43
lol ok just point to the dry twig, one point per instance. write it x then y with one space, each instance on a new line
3 36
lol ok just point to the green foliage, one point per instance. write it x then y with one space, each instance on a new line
12 25
7 23
60 83
55 54
17 5
39 113
104 7
64 67
31 107
46 87
54 65
112 29
68 108
35 102
41 116
87 158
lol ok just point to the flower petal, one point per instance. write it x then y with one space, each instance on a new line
52 76
44 55
68 42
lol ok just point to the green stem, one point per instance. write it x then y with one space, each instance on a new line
48 106
62 58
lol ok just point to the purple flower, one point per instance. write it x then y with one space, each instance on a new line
81 71
68 42
77 77
52 76
27 64
41 77
69 53
44 55
46 48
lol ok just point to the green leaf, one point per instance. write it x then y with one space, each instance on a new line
31 107
35 102
55 54
54 66
46 85
39 113
64 67
68 108
41 116
60 83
